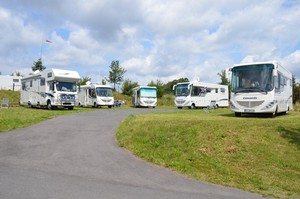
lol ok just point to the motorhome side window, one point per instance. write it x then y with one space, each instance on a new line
42 83
92 92
23 86
51 86
30 83
15 80
196 91
222 90
49 75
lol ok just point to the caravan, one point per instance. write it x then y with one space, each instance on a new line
144 96
200 94
261 87
95 95
50 88
12 83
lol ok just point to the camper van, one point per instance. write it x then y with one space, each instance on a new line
50 88
260 87
144 96
95 95
200 95
12 83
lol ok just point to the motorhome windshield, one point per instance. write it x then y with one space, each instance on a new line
148 92
104 92
252 78
182 90
66 86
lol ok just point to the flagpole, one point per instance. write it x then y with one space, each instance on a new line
41 52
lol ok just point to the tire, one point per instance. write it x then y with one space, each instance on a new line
70 107
109 106
193 106
49 106
237 114
179 107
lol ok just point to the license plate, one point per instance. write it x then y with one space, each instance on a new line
249 110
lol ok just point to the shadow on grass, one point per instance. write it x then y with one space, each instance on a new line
291 134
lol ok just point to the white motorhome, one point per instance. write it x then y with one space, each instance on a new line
144 96
12 83
95 95
50 88
200 95
261 87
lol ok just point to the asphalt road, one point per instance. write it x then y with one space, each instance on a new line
76 156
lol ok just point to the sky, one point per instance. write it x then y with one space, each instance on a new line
152 39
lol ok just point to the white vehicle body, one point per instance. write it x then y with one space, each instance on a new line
95 95
261 87
200 94
12 83
144 96
50 88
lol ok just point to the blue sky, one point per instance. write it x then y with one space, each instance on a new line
152 39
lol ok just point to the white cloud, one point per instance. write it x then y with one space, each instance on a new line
152 39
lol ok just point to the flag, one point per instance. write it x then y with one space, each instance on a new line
47 40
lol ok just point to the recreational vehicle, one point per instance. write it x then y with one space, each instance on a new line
144 96
200 94
12 83
95 95
261 87
50 88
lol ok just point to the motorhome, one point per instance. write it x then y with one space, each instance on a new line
12 83
144 96
260 87
95 95
50 88
200 95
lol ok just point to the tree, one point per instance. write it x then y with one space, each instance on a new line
296 90
103 81
16 74
127 87
160 87
84 80
38 65
224 80
116 73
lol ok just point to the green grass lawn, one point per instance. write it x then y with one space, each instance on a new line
256 154
18 117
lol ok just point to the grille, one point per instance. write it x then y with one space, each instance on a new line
107 100
250 104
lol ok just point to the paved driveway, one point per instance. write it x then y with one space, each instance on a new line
76 156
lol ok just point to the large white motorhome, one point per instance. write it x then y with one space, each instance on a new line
200 95
144 96
12 83
260 87
50 88
95 95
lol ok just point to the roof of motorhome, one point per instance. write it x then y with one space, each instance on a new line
256 63
95 85
203 84
145 87
56 73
